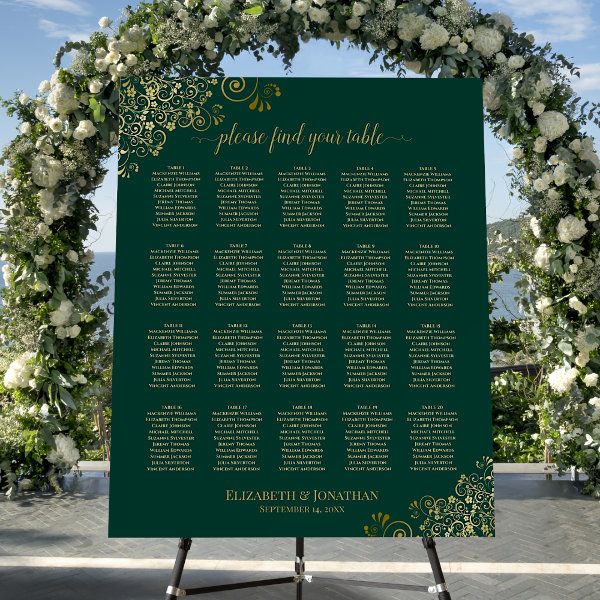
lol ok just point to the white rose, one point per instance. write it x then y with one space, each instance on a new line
591 379
434 37
73 331
516 62
23 99
462 48
300 6
540 185
544 305
112 57
552 124
84 130
318 15
570 228
543 86
25 128
491 97
44 86
537 108
562 379
62 315
104 22
100 65
353 23
359 9
542 257
19 372
79 378
95 86
469 34
576 304
62 99
487 41
72 256
61 333
540 145
283 6
131 60
46 171
535 226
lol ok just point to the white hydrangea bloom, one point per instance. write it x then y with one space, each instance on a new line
591 379
516 62
411 26
65 455
571 228
434 37
562 379
487 41
19 372
552 124
46 171
502 19
62 99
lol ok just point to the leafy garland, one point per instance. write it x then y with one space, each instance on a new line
56 337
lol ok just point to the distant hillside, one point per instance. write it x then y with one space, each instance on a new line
509 228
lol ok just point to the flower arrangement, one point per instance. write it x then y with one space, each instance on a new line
54 165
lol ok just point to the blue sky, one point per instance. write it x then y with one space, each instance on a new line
32 30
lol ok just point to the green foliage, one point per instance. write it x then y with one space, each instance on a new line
516 404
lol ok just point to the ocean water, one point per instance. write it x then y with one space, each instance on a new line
505 294
504 291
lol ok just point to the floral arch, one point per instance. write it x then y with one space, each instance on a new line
57 340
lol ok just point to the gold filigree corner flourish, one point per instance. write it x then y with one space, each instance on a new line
151 107
467 512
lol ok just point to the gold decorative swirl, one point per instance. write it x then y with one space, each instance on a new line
151 107
238 89
384 527
468 512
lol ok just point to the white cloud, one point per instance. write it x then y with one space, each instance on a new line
590 78
73 7
555 21
58 31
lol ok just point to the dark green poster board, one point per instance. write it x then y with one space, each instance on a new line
301 330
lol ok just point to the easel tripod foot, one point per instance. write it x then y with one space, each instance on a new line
174 591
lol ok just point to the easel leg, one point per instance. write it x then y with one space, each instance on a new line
184 547
436 569
299 566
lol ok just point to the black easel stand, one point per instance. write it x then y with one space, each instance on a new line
174 591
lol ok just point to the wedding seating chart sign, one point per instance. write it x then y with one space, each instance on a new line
301 323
